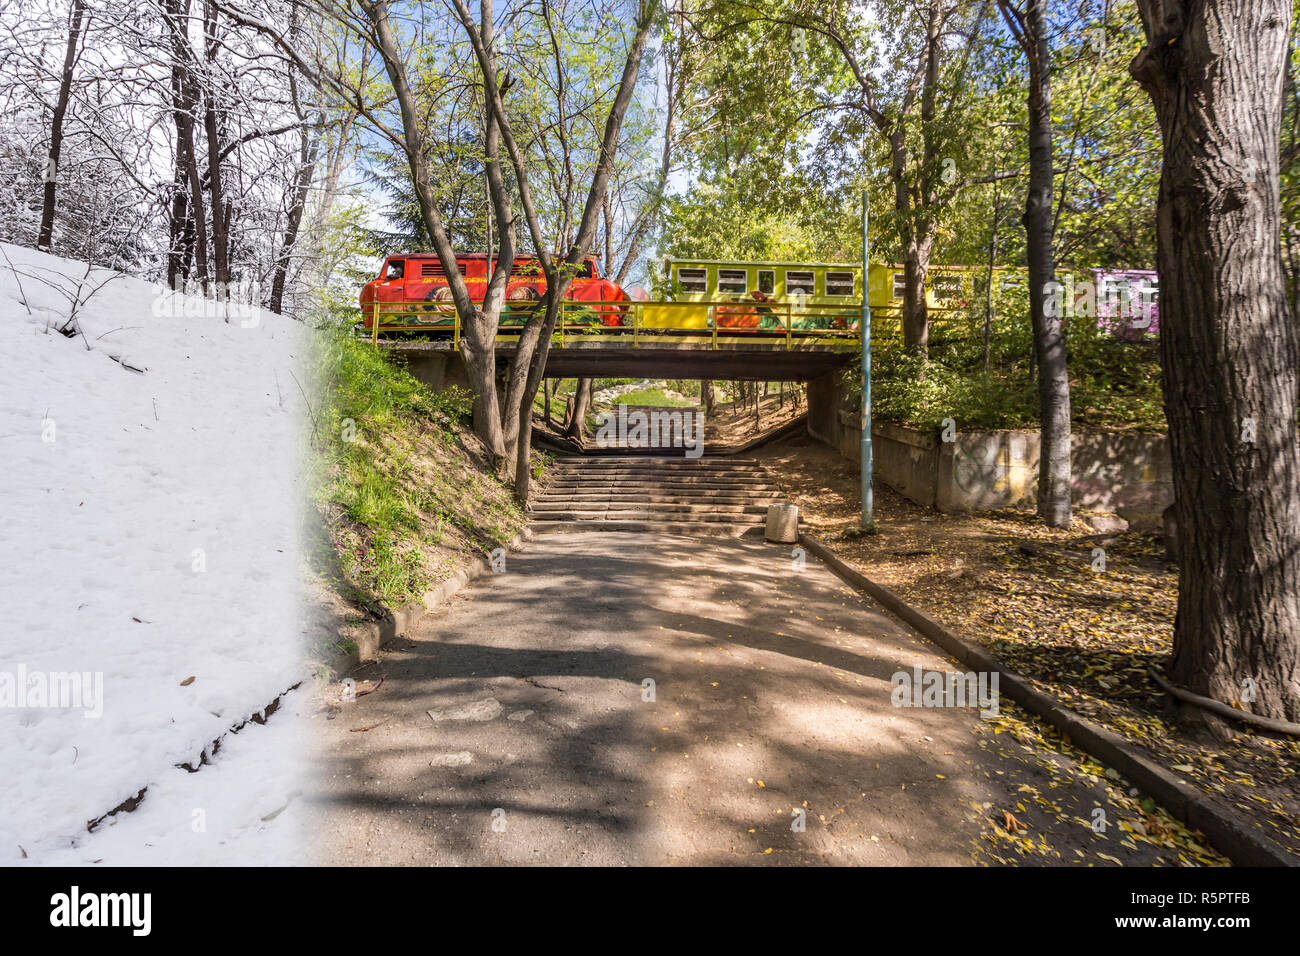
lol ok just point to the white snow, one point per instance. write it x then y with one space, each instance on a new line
147 534
245 808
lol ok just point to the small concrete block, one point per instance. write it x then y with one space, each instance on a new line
782 523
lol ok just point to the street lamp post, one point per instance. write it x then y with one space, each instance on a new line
864 415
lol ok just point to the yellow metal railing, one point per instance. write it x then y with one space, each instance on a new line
639 322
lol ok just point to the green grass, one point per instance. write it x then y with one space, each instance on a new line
391 480
652 396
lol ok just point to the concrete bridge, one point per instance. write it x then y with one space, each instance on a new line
776 359
439 362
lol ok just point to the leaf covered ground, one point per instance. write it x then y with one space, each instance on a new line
1083 615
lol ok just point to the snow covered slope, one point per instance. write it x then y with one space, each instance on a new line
148 544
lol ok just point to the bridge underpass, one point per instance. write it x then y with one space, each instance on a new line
439 364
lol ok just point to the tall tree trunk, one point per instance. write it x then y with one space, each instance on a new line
556 287
45 236
183 110
176 226
559 275
1049 340
1229 347
198 216
478 321
577 425
307 151
181 230
706 397
483 341
916 255
211 126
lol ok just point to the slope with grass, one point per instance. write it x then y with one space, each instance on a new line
403 492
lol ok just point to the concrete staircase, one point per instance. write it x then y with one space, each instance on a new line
717 497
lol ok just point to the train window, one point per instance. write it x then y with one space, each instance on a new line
799 282
396 269
946 286
733 280
693 280
839 283
900 284
767 281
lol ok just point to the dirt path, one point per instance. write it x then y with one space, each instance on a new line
771 704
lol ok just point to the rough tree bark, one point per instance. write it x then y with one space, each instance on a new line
186 99
45 236
479 323
1229 347
577 424
918 225
308 153
1054 506
558 274
212 131
308 149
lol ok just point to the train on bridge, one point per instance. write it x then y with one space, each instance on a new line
812 302
1122 300
415 286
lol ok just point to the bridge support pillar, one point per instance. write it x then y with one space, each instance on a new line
438 369
824 408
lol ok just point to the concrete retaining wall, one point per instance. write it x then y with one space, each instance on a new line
1124 473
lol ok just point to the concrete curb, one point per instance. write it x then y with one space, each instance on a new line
1231 835
370 636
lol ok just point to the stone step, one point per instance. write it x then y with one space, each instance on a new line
593 507
643 514
685 463
705 496
659 527
666 481
656 472
762 499
667 455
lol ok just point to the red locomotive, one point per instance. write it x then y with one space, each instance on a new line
412 289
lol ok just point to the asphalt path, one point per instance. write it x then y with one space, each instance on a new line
516 726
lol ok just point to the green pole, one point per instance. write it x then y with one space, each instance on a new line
864 418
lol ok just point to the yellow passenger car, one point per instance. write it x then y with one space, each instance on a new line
818 294
824 283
